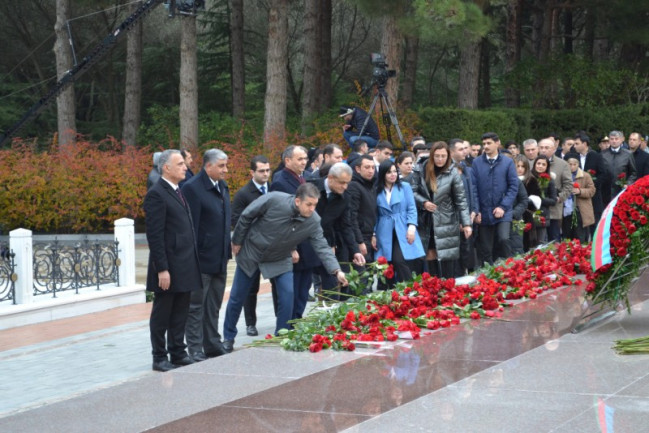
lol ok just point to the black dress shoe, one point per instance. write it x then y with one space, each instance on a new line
218 351
182 361
163 365
251 331
228 345
198 356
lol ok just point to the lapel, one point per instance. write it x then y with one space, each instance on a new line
171 192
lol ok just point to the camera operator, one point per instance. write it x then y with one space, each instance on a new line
354 120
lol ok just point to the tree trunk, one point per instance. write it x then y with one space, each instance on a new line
66 110
276 70
467 95
312 56
326 96
392 48
133 87
589 33
188 83
485 75
513 49
237 56
410 71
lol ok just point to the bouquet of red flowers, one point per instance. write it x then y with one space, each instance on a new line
544 181
621 180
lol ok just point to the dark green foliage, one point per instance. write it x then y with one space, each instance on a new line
519 124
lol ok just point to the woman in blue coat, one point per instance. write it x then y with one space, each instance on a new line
395 234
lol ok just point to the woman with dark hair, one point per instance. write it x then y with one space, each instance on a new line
395 234
442 202
405 162
544 195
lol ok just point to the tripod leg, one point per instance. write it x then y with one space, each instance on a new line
369 114
393 116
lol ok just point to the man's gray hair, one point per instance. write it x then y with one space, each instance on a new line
340 168
307 190
164 157
616 133
530 141
213 155
288 152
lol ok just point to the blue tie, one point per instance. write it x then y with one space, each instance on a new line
263 189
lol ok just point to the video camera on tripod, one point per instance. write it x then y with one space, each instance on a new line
380 73
380 76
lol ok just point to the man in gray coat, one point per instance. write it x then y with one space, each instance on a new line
265 240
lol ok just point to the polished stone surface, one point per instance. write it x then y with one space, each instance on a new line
524 371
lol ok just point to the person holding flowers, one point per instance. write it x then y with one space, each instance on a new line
530 184
581 215
395 234
546 192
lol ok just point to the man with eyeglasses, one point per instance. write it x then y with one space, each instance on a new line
258 186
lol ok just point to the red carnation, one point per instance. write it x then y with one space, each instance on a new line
389 272
382 261
576 185
621 176
528 227
544 176
592 172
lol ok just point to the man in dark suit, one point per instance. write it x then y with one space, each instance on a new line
619 161
258 186
209 202
189 160
335 212
173 271
593 163
641 157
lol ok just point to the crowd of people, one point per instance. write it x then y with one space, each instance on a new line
445 208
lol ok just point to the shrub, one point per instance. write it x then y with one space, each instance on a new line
72 188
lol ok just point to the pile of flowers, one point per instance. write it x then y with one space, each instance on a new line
629 246
432 303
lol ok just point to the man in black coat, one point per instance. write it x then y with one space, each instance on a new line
593 163
208 198
334 210
258 186
641 157
362 205
173 271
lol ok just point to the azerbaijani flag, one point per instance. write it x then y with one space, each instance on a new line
600 254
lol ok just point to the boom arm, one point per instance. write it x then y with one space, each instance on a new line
73 74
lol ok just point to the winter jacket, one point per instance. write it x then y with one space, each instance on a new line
396 216
496 186
452 209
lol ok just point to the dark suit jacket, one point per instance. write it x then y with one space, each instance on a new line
285 181
211 214
246 195
602 178
641 163
362 196
335 218
172 244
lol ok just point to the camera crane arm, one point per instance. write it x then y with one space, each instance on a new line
89 61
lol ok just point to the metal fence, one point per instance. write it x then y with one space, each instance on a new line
7 274
62 266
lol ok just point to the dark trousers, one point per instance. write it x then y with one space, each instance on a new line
168 316
554 231
250 305
402 270
202 328
576 232
489 236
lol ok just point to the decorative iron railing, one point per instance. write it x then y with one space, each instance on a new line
7 274
60 267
